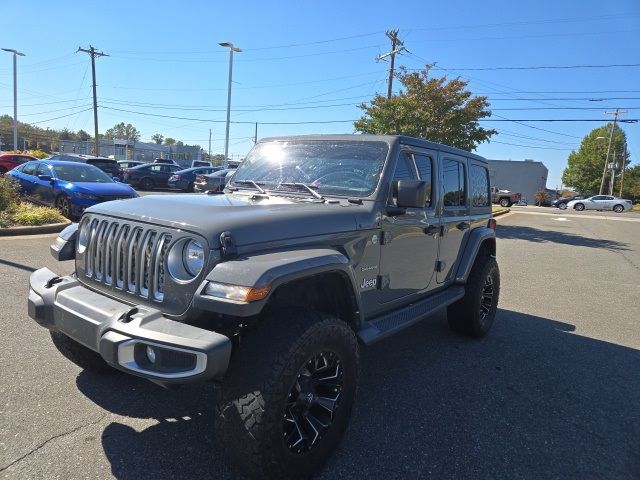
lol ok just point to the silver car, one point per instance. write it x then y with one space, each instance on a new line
601 202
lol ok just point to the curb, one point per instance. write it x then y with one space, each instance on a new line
501 212
34 230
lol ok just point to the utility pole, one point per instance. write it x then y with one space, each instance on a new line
232 48
624 165
255 137
16 53
209 144
93 53
606 161
613 173
396 47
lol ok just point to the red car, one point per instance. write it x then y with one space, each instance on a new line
9 161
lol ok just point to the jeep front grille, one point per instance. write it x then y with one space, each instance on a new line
128 257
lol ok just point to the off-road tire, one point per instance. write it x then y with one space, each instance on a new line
250 404
579 207
146 184
465 316
618 208
79 354
505 202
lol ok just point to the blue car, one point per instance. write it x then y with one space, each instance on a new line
71 187
184 179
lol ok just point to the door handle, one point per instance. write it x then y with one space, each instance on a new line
432 230
463 225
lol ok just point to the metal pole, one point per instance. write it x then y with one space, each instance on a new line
15 102
209 144
613 174
624 164
606 160
93 53
255 138
226 136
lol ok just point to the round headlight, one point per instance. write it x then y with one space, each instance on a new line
193 257
83 236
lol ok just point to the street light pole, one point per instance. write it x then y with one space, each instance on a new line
15 95
232 48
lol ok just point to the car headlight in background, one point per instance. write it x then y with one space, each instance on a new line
86 196
193 257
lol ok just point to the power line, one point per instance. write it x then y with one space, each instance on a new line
61 116
536 67
630 120
529 146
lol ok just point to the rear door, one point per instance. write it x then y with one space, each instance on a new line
455 213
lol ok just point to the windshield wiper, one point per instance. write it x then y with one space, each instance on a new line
306 187
252 183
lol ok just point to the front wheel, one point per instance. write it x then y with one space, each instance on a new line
505 202
618 209
579 207
562 206
288 394
474 313
63 205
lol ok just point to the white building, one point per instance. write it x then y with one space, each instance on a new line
526 177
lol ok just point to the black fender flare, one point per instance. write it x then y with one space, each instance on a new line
273 269
477 238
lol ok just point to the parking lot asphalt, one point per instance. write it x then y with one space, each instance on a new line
552 391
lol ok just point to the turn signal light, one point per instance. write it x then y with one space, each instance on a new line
238 293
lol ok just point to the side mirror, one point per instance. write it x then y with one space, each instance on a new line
45 178
412 193
115 179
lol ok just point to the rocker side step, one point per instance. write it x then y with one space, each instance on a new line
390 323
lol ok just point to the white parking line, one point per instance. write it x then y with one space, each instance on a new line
578 215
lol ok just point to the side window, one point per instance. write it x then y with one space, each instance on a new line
454 194
29 169
404 171
43 169
156 168
598 197
479 186
425 171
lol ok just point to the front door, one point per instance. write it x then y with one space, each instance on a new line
43 191
455 213
409 242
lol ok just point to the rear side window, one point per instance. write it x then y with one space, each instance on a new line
479 186
454 193
105 165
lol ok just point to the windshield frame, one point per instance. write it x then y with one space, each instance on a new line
386 149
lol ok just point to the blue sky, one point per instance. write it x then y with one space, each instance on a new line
314 61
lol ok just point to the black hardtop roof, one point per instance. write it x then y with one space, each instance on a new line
391 140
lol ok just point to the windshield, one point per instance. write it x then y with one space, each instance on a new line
81 173
342 168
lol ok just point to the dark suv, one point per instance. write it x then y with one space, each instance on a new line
149 175
318 245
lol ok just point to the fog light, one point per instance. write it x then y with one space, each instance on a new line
151 354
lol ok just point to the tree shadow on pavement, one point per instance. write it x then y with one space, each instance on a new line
537 235
531 400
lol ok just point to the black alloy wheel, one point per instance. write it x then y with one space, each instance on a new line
146 184
312 402
64 206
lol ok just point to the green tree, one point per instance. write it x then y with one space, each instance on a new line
436 109
120 130
83 136
169 141
585 166
631 187
156 137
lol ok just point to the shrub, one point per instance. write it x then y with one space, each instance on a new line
8 194
28 214
541 197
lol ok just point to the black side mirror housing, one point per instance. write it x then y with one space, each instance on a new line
45 178
412 193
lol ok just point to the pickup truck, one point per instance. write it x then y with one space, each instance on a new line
504 197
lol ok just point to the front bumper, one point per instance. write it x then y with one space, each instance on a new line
121 333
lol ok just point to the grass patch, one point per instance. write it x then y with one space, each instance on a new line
28 214
636 208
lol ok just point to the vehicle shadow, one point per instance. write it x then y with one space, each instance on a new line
531 400
532 234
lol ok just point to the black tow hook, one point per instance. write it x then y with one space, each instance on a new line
52 281
127 316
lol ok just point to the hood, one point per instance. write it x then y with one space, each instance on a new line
95 188
249 221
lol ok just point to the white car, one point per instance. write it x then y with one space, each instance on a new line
601 202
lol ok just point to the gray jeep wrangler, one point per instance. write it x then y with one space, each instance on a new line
317 244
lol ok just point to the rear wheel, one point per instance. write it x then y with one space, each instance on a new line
474 313
63 204
288 394
618 208
146 184
79 354
579 206
505 202
562 206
